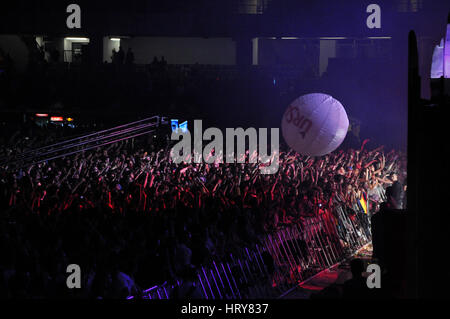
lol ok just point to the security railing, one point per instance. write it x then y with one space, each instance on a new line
281 260
83 143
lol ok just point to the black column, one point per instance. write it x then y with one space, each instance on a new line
244 51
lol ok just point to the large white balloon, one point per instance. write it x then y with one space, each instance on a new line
314 124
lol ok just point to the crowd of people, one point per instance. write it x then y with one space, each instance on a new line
131 218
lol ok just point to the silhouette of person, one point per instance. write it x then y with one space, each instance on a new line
54 55
130 57
356 288
387 237
163 61
120 56
114 56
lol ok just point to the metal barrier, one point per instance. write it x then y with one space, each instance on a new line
85 142
281 260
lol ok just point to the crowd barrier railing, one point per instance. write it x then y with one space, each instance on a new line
281 260
83 143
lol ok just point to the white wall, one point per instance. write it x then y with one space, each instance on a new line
108 46
182 50
327 51
255 51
